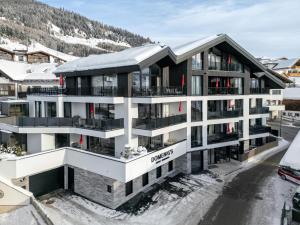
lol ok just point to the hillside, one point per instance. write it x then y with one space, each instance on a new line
65 31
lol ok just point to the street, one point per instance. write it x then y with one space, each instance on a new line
254 196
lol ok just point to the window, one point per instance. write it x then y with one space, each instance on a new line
158 172
196 85
109 188
145 179
170 166
196 110
128 188
197 62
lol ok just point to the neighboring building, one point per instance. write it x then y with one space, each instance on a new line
291 100
22 67
34 53
124 121
289 68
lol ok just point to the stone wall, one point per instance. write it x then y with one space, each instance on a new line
94 186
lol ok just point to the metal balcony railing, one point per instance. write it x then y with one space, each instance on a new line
259 129
224 114
157 91
259 110
222 91
221 137
156 123
92 124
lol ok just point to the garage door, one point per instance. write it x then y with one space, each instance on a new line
46 182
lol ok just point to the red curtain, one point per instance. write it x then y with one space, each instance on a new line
61 80
81 139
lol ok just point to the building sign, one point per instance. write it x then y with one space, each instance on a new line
1 194
162 156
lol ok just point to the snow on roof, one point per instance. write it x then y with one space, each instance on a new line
19 71
292 157
291 93
181 49
286 63
127 57
12 46
37 47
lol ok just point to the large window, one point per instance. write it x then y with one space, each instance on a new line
67 110
38 109
62 140
104 146
197 62
51 109
196 85
104 111
150 110
196 136
145 179
196 110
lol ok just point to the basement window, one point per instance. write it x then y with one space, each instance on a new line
109 188
128 188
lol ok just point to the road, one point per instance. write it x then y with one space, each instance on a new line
255 196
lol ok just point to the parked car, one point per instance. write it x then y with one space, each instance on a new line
296 199
287 173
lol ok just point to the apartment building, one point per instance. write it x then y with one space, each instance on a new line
123 121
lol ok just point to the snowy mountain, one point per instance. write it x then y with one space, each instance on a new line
68 32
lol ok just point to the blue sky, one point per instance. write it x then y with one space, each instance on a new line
265 27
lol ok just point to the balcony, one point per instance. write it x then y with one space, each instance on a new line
259 129
157 91
89 91
221 137
259 110
224 114
91 124
226 67
259 90
157 123
222 91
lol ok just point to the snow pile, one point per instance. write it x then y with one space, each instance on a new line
292 156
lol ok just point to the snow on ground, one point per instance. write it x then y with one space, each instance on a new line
26 215
271 200
189 196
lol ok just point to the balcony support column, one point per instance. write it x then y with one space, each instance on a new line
246 118
205 76
205 160
60 107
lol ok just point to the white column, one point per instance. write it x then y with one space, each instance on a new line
189 122
43 108
66 181
31 109
16 90
205 160
204 127
246 118
60 107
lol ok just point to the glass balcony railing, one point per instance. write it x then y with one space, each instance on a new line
259 90
259 110
91 124
259 129
196 143
224 114
157 91
226 67
84 91
156 123
223 91
221 137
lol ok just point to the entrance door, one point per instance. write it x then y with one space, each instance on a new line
197 161
71 179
